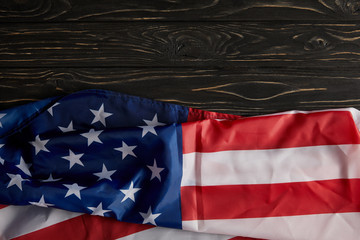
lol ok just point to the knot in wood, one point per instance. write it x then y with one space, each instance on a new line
316 43
189 48
349 7
40 9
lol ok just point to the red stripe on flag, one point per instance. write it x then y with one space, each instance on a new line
86 227
269 132
3 206
197 114
270 200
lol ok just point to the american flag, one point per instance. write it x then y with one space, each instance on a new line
292 175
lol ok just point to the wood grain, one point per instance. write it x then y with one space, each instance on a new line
177 10
242 91
179 45
242 57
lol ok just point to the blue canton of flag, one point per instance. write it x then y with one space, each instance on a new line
81 154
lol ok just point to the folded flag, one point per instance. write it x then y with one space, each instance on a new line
34 223
292 175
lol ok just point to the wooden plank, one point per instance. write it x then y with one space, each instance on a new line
172 10
179 44
242 91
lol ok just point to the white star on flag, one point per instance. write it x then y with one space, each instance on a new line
39 145
129 193
50 110
151 124
155 171
51 179
98 210
126 150
105 174
92 136
41 203
74 159
1 116
69 128
23 166
100 115
73 189
16 179
1 159
149 217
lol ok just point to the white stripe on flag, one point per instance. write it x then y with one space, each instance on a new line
159 233
20 220
319 226
271 166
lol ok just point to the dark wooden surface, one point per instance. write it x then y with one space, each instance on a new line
242 57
